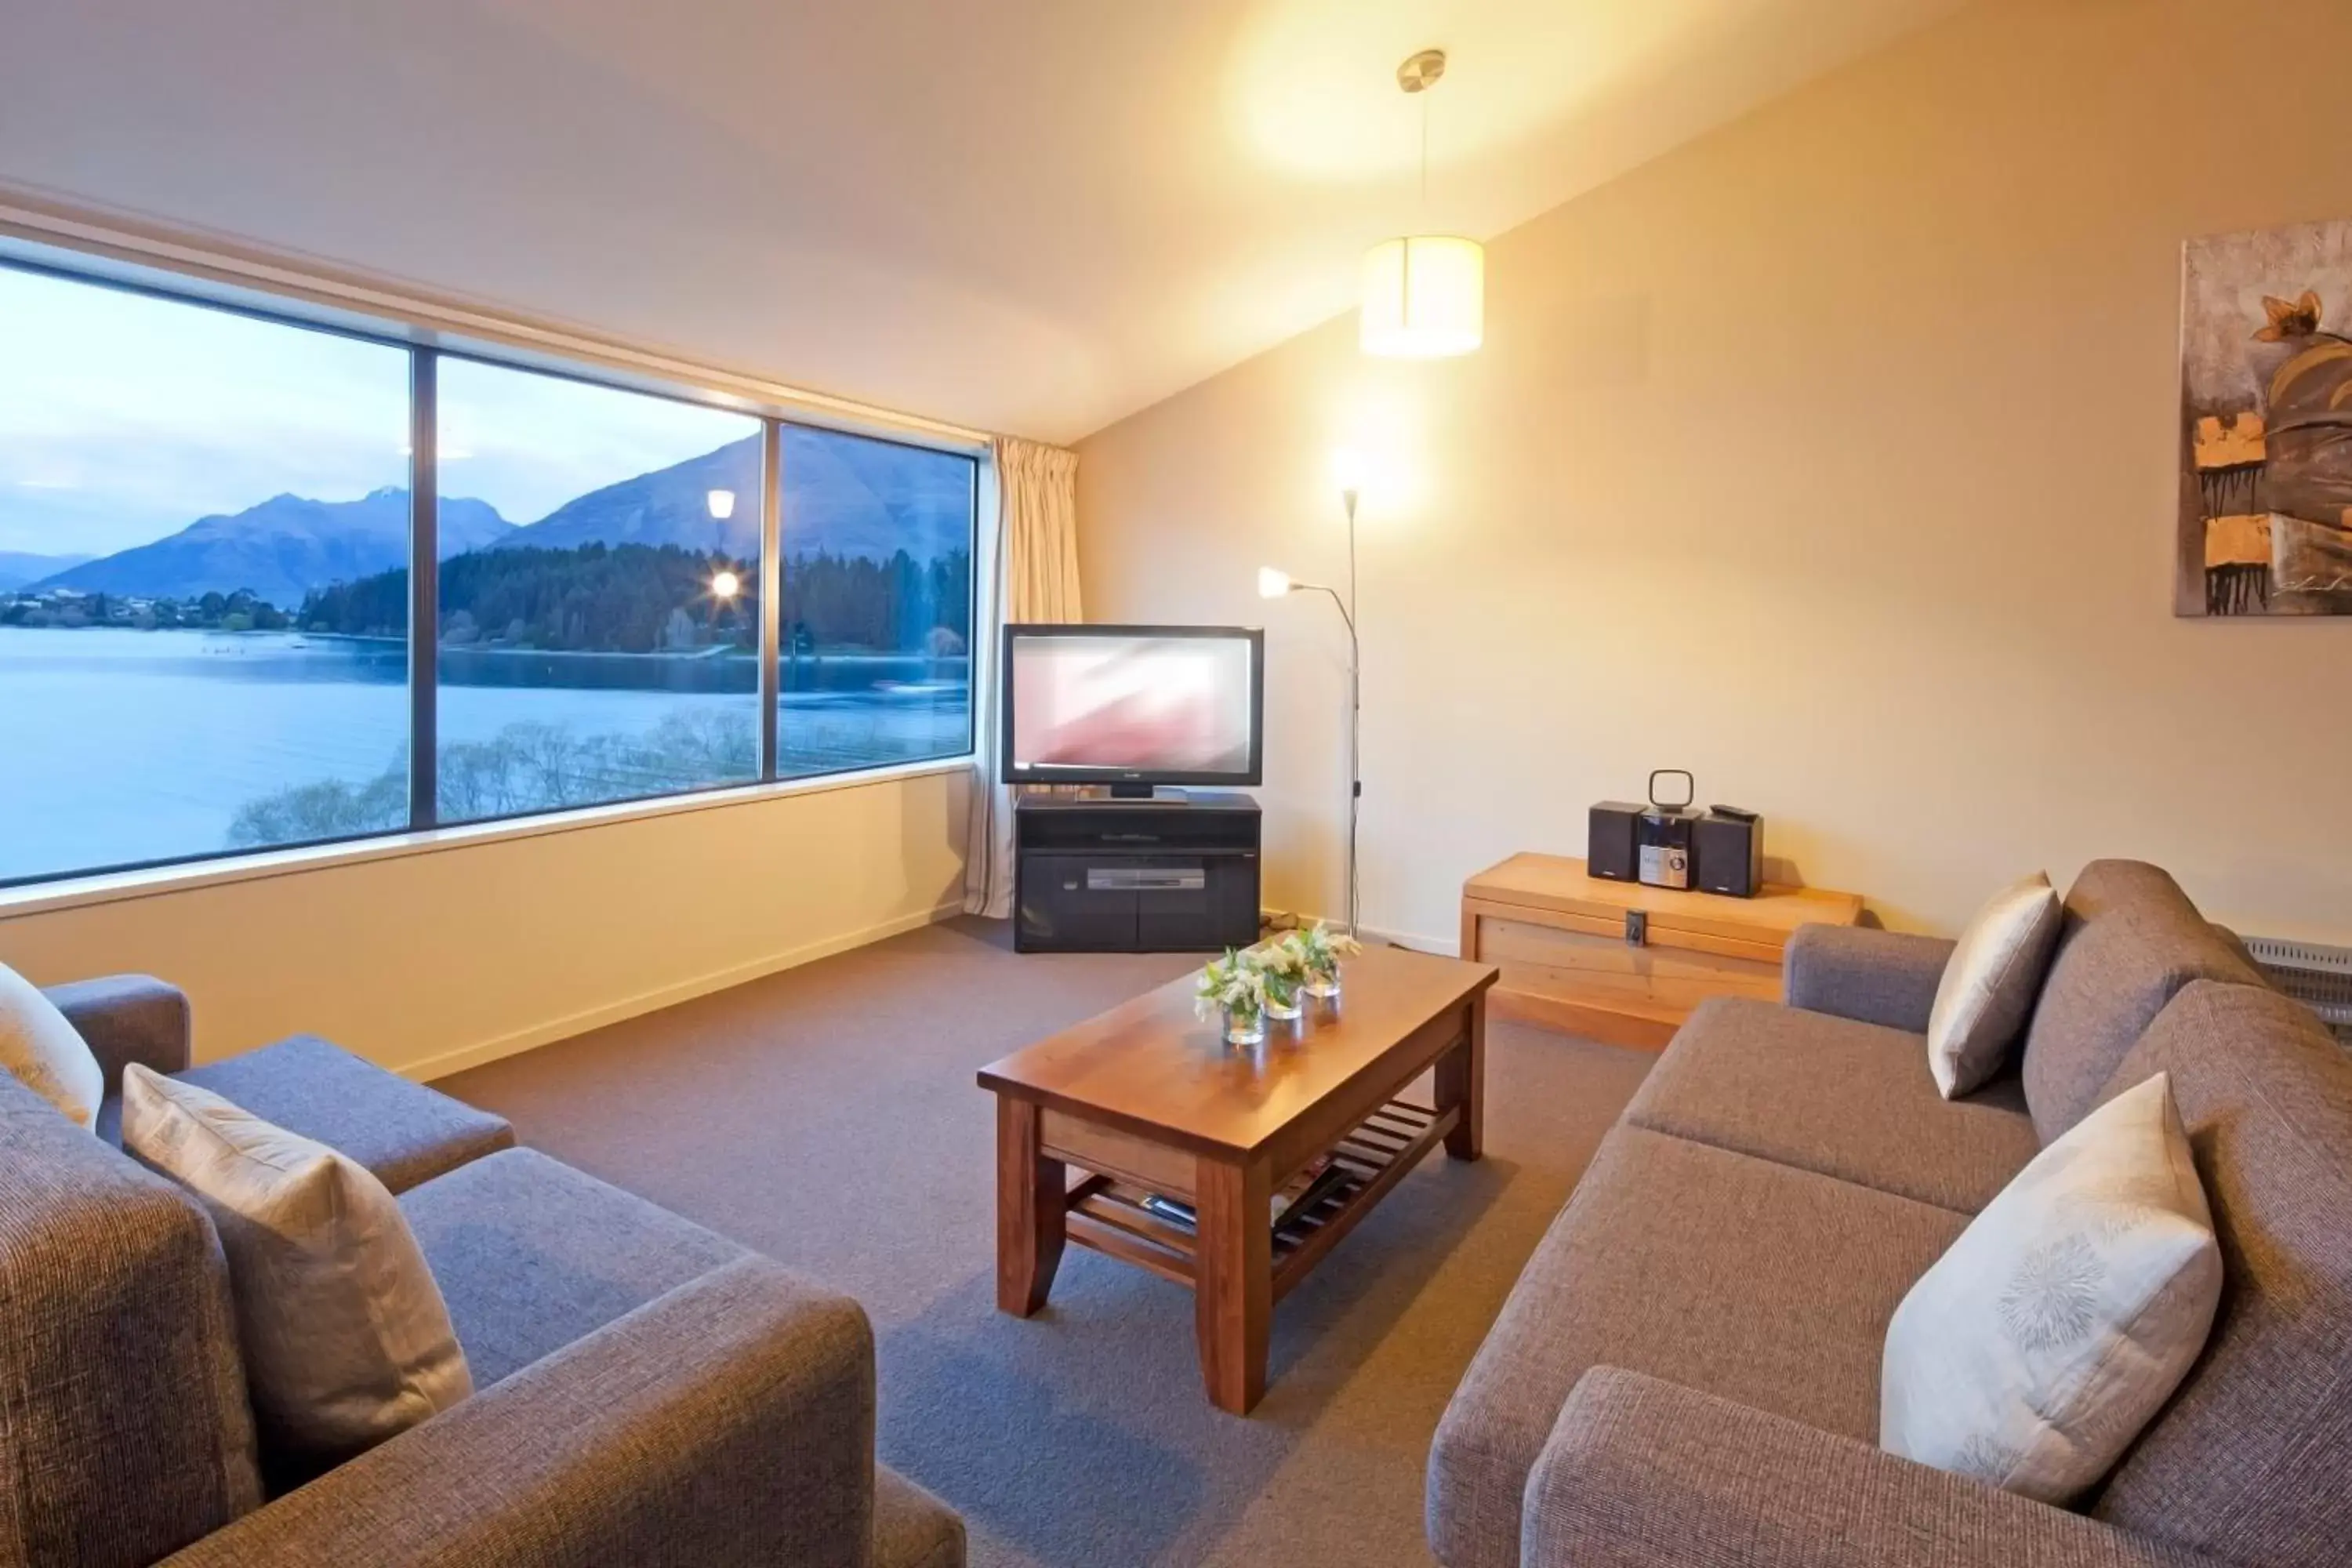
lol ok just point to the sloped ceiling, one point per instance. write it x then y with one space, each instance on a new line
1028 215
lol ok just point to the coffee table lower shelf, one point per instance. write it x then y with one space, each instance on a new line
1108 1214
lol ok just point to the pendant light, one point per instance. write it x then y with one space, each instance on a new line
1424 294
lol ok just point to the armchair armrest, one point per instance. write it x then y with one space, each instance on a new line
1871 976
729 1421
126 1018
1643 1473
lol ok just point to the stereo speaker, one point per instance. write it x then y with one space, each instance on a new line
1728 852
1610 848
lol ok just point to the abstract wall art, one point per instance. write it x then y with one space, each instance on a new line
2267 423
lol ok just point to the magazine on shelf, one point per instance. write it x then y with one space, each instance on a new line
1300 1193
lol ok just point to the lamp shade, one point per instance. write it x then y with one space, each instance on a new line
1424 296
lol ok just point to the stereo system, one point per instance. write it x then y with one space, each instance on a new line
1672 845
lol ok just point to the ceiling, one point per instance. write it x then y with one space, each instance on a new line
1027 216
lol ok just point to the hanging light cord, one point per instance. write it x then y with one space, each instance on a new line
1424 96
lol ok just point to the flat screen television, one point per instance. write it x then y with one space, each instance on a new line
1133 707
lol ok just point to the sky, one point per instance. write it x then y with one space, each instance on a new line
124 417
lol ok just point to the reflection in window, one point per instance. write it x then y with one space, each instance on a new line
176 484
600 632
875 655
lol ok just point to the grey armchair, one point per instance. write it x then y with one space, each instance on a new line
647 1392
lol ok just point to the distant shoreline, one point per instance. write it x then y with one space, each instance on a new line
843 655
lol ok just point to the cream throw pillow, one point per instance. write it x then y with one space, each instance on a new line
45 1053
1989 983
345 1336
2034 1350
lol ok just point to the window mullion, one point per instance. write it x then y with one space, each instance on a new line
424 587
771 595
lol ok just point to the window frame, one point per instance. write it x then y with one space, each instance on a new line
591 362
771 649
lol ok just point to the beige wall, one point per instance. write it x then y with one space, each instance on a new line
430 961
1830 456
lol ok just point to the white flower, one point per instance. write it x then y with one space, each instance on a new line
1286 955
1233 983
1323 948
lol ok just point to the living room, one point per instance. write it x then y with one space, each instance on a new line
1915 420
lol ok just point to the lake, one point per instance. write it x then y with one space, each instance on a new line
120 746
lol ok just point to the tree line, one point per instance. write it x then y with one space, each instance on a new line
239 612
637 598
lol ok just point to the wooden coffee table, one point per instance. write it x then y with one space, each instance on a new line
1148 1100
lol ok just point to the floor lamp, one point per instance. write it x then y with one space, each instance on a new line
1273 584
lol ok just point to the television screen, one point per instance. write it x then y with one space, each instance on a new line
1170 704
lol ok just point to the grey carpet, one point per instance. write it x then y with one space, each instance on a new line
827 1117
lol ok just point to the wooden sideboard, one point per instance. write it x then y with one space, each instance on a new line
1620 961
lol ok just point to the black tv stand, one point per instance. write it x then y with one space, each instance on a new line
1163 873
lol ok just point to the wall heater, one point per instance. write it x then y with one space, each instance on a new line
2318 977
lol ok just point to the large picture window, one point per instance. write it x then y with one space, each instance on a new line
175 482
875 659
208 575
602 642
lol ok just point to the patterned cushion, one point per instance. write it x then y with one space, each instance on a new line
2036 1349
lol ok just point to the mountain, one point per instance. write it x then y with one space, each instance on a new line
18 567
281 548
668 506
843 496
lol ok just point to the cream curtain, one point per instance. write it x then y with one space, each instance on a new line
1037 577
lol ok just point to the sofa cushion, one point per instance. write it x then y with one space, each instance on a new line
2248 1459
403 1132
1764 1284
1989 985
345 1338
2131 940
40 1049
533 1255
1836 1098
2038 1347
126 1433
2104 885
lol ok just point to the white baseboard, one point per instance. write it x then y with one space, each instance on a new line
1445 946
520 1040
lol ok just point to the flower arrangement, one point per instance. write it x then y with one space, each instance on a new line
1283 964
1233 988
1319 950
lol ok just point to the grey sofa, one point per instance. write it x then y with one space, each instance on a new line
647 1392
1687 1373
